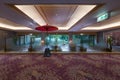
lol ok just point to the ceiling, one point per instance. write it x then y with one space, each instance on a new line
58 13
62 16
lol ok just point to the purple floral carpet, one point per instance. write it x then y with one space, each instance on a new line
60 67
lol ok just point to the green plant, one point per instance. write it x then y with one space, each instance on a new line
109 42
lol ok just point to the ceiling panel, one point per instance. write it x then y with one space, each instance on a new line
62 16
113 22
55 1
6 24
56 14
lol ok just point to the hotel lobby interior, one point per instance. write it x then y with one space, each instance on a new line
82 38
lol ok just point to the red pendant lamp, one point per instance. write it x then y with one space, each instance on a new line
46 28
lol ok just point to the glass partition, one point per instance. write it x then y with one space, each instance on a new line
56 42
87 40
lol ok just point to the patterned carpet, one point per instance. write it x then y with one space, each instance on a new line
60 67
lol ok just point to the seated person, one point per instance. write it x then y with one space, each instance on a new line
47 52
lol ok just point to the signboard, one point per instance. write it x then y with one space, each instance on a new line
103 17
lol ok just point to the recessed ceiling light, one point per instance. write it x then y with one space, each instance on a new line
110 25
10 25
79 13
32 12
13 27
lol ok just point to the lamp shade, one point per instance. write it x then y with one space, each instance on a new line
46 28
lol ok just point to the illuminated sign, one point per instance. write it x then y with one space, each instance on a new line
102 17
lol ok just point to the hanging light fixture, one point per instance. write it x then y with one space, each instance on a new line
46 28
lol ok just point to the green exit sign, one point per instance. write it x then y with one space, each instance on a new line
102 17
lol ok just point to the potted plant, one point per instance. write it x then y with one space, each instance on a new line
31 47
109 43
